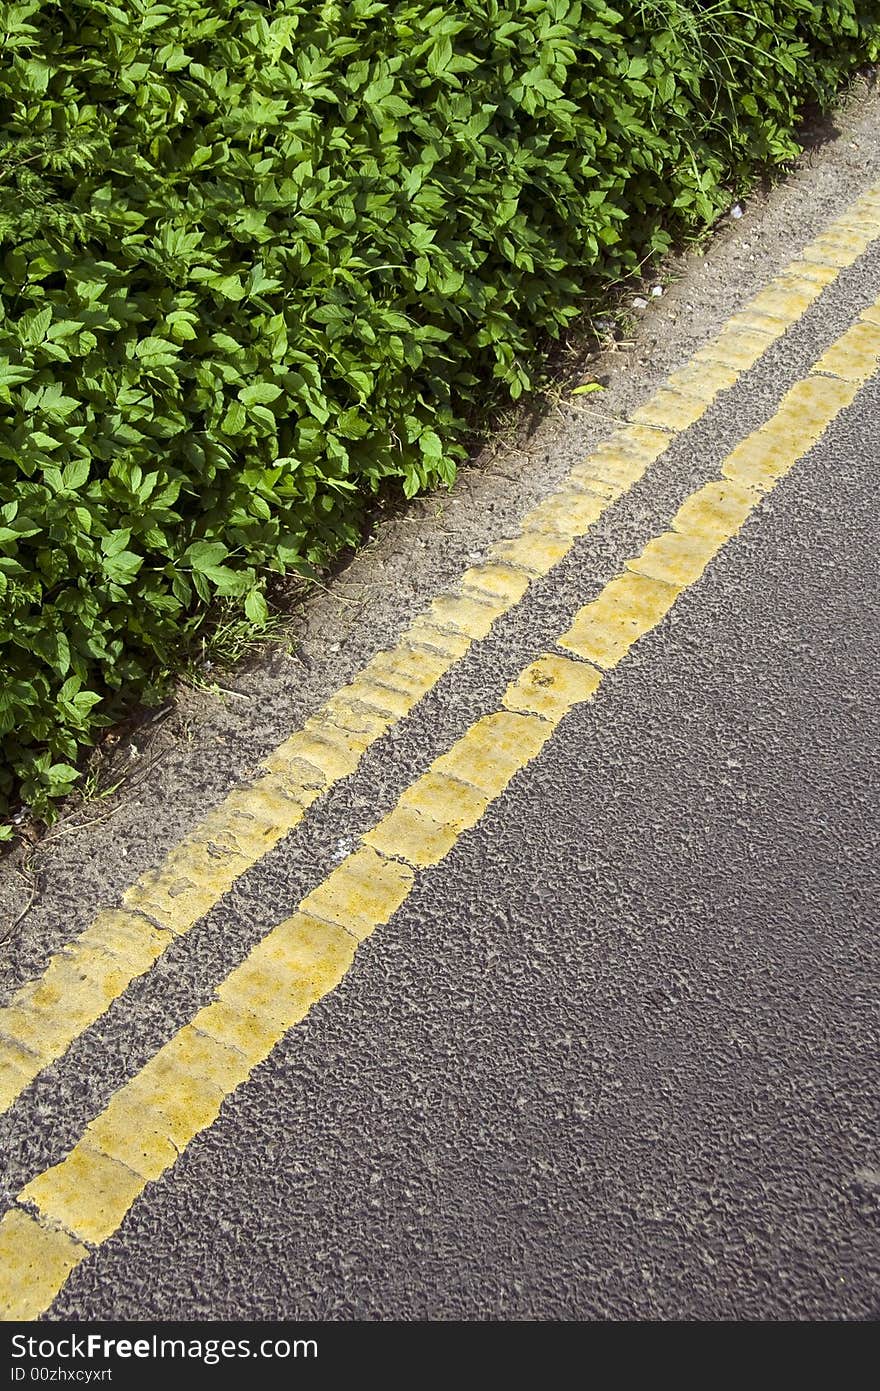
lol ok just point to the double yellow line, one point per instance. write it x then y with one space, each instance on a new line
82 981
63 1213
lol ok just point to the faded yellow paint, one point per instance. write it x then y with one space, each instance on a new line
76 988
82 979
18 1068
413 835
309 956
410 670
196 874
718 510
179 1103
739 348
192 1054
855 355
763 458
35 1261
192 879
493 750
644 442
345 711
609 491
284 974
88 1193
128 936
334 753
35 1033
425 633
814 272
361 893
466 613
550 686
670 410
134 1135
567 514
251 826
266 811
624 458
871 315
863 216
506 583
787 299
838 247
629 605
807 408
750 321
449 800
536 552
389 700
675 558
863 221
252 1035
705 380
352 739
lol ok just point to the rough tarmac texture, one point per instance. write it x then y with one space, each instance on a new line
615 1057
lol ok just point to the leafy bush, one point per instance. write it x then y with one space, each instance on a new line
260 259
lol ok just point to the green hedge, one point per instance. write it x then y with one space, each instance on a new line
259 259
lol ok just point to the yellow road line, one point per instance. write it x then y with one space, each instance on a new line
82 980
64 1212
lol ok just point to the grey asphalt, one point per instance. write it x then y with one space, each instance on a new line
617 1056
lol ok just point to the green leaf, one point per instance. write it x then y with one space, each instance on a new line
205 555
35 326
259 394
11 375
116 541
156 350
431 446
75 474
122 567
256 608
440 57
59 776
229 286
235 419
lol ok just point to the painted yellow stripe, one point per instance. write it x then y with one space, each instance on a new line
69 1209
85 977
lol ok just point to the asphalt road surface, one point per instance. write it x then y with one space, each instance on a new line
615 1055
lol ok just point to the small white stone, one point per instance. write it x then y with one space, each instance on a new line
344 846
736 211
640 303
